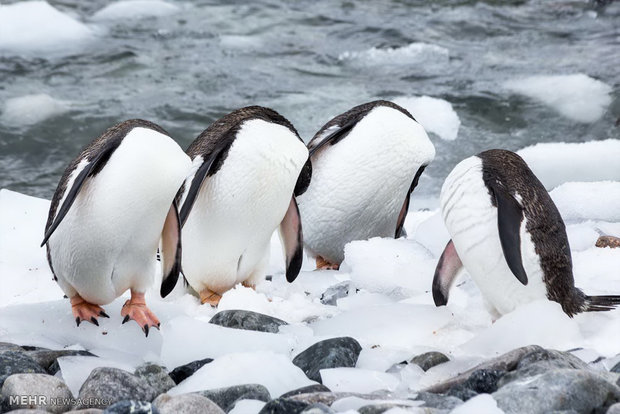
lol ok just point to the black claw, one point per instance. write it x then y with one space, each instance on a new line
103 314
158 325
146 330
94 320
77 320
127 318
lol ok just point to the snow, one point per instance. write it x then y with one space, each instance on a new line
388 308
31 109
576 96
414 53
482 403
35 27
247 407
135 9
275 371
435 115
555 163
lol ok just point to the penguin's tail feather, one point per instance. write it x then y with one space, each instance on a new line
601 303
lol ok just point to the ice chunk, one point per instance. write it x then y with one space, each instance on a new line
355 403
76 369
577 96
583 201
357 380
414 53
559 162
247 407
275 371
135 9
35 27
435 115
31 109
483 403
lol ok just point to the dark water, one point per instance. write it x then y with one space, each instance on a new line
185 70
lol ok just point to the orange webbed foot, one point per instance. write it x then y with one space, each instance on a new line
86 311
210 297
136 309
322 264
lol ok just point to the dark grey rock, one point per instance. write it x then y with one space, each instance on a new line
107 386
306 390
504 362
156 376
28 411
182 372
86 411
284 406
484 381
461 392
381 408
46 357
563 389
186 403
16 362
330 353
541 361
45 388
248 320
317 408
227 397
335 292
616 368
6 346
614 409
440 401
429 359
131 406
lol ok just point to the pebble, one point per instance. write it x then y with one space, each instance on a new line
429 359
185 371
330 353
227 397
16 362
248 320
284 406
335 292
48 358
306 390
44 388
156 376
186 403
107 386
131 406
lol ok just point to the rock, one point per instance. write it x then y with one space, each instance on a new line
28 411
5 346
440 401
541 361
562 389
504 362
186 403
248 320
461 392
38 391
15 362
317 409
86 411
608 241
484 381
184 371
284 406
131 406
156 376
46 357
306 390
107 386
330 353
335 292
429 359
616 368
227 397
614 409
381 408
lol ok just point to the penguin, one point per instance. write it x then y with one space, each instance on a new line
366 163
113 205
509 235
247 168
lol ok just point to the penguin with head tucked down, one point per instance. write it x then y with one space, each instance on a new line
366 163
113 208
509 235
247 168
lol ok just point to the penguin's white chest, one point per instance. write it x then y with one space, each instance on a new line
107 242
359 184
226 235
471 220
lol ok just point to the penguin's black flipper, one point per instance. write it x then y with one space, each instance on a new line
209 167
170 250
445 274
509 218
292 240
403 212
92 168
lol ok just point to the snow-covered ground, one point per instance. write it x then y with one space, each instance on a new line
389 309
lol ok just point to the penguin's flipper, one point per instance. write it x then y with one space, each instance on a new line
170 250
292 240
405 209
92 168
339 132
509 218
446 271
208 164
